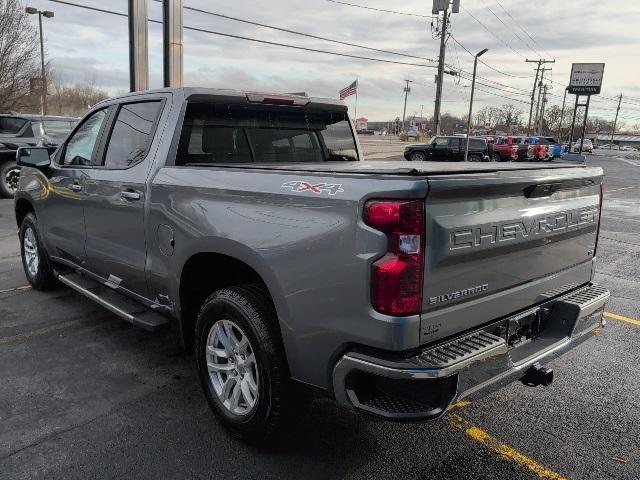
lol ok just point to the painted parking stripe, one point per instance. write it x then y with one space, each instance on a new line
16 289
40 331
501 448
622 318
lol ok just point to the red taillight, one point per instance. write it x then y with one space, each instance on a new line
396 278
595 248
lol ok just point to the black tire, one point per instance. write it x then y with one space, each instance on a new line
496 157
9 175
417 157
277 402
42 277
473 157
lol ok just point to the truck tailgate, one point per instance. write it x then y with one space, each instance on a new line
502 241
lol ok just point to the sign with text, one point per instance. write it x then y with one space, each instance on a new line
586 78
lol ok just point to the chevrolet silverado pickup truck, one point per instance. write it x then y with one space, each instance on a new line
250 224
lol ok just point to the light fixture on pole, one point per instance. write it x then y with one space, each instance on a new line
47 14
473 86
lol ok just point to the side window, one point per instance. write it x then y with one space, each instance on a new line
80 147
131 134
441 143
57 129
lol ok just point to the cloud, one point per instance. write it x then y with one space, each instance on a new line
84 44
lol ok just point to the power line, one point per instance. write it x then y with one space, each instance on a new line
524 42
490 31
303 34
485 63
502 96
426 16
520 26
395 12
256 40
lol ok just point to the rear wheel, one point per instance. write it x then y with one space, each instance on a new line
496 157
35 261
473 157
242 365
9 177
417 157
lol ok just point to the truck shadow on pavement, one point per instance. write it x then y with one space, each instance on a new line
98 398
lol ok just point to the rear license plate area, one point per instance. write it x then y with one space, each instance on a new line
525 327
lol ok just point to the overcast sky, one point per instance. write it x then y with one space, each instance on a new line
91 46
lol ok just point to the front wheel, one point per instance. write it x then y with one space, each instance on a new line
496 157
242 364
417 157
9 177
35 261
474 158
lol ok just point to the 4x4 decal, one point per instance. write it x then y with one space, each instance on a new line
318 188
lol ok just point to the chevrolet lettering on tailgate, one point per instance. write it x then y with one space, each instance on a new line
535 227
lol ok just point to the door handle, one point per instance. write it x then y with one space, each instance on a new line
76 187
130 195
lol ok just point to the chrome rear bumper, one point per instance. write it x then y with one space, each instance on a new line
468 366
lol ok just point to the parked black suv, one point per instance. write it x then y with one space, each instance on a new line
449 149
18 130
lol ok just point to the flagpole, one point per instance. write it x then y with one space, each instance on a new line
356 110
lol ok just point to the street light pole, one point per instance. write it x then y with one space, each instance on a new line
47 14
473 86
564 99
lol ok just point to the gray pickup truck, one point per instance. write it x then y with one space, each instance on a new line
251 224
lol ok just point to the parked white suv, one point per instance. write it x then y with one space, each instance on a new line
587 146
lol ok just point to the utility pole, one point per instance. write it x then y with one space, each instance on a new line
443 41
542 70
473 86
540 62
544 102
615 122
442 6
404 112
564 99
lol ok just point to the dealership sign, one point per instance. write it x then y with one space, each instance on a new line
586 78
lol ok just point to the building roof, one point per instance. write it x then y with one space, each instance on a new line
618 137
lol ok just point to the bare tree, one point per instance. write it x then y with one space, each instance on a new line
18 55
510 115
73 100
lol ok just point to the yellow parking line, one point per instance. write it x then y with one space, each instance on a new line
622 318
460 404
501 448
39 332
15 289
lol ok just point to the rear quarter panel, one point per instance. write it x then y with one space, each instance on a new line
311 249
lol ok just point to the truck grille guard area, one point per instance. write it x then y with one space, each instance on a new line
471 365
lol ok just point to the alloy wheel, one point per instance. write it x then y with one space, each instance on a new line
31 253
11 179
232 366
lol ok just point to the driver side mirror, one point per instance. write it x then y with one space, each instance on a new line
35 157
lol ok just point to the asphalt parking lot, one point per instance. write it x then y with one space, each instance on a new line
86 395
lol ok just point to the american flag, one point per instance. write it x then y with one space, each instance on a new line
350 90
